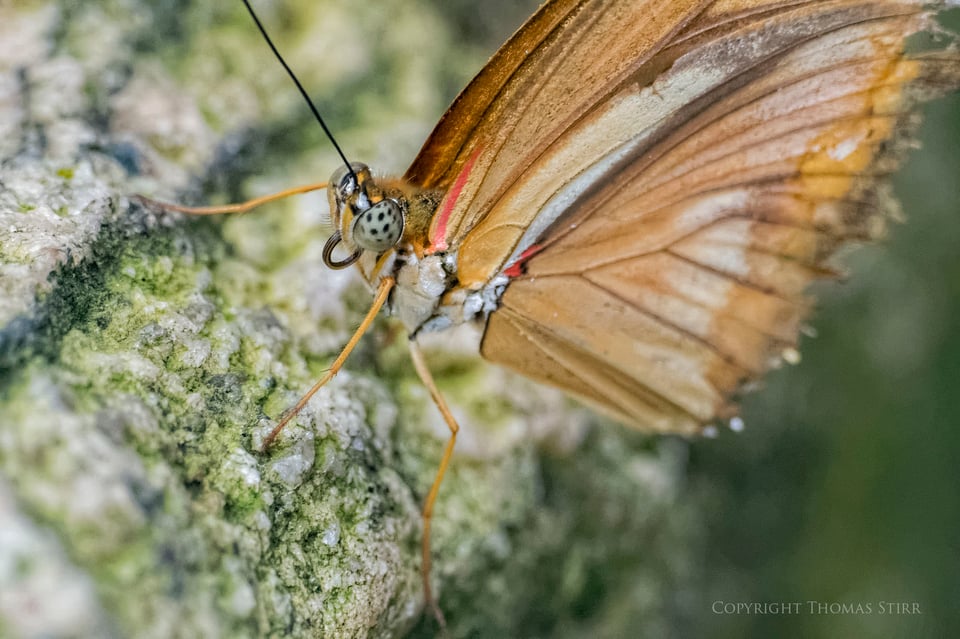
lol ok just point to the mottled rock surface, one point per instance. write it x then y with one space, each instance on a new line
142 354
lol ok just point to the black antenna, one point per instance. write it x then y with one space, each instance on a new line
303 91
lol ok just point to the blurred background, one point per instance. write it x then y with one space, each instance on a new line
843 487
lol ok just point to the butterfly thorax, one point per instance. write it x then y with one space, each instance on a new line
385 223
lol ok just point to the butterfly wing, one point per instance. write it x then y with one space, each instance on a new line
661 228
535 87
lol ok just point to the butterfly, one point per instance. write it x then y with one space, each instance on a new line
631 198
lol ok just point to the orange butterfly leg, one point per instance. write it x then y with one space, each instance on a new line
241 207
383 291
420 364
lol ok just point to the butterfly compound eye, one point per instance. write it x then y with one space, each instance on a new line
379 227
345 183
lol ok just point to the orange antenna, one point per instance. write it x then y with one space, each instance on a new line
241 207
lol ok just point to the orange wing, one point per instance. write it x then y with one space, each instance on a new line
662 203
541 83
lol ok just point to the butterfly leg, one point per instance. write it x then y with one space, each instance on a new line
383 292
241 207
421 366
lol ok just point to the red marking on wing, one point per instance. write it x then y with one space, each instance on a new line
516 269
439 240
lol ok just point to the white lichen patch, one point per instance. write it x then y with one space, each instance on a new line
244 466
296 460
195 353
331 536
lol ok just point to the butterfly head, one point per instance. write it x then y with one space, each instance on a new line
364 214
